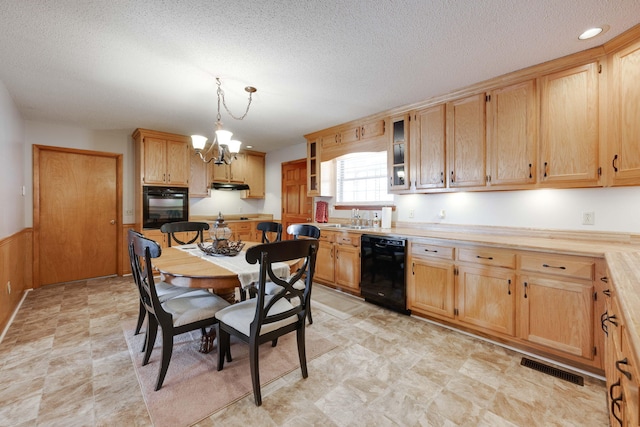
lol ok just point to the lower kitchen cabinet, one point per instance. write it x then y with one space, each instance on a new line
621 367
338 260
538 301
485 298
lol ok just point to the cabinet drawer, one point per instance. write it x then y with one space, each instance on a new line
348 239
488 256
242 226
422 249
327 236
580 268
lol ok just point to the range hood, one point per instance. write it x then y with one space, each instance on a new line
229 186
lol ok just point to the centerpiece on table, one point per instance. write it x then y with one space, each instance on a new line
220 243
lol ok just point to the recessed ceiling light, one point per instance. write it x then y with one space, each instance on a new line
249 146
591 32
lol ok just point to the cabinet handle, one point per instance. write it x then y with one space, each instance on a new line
613 163
484 257
615 401
164 177
530 172
509 287
362 132
604 327
624 361
611 319
413 268
452 178
545 169
554 266
435 251
604 279
357 136
526 285
441 177
607 292
390 181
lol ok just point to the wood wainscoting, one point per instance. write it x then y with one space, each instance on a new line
15 271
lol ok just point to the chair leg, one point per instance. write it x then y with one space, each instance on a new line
167 350
309 314
141 314
223 347
152 331
274 342
302 353
255 371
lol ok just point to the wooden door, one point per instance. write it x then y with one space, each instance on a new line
625 116
511 134
466 142
429 147
431 287
569 149
296 206
486 298
77 214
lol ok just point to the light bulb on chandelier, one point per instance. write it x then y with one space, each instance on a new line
223 149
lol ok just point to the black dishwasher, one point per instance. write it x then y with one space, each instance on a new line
382 271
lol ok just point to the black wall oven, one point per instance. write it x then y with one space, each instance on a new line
161 205
383 271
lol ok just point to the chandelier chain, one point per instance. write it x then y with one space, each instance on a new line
221 95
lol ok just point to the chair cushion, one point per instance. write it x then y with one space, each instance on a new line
240 315
166 291
188 308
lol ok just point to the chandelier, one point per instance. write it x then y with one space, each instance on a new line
223 149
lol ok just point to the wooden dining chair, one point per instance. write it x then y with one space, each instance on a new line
176 315
164 290
268 317
270 227
305 230
171 228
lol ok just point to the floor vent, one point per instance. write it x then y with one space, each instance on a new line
550 370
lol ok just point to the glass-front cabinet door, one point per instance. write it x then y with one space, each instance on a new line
398 155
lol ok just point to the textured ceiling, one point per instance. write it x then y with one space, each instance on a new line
123 64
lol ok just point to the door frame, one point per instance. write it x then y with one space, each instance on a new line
36 203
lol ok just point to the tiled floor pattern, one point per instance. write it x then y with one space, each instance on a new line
64 362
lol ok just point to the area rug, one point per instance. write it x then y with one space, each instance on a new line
338 304
193 389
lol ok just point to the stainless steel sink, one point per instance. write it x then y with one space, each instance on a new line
347 226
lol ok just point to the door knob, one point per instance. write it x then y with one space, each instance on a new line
113 222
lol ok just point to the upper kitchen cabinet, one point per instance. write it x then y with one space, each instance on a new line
512 135
254 169
428 140
163 158
625 115
569 145
200 176
233 172
466 144
398 153
353 137
313 168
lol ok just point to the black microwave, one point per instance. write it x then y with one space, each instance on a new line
161 205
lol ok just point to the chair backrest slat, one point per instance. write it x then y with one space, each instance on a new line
306 230
171 228
270 227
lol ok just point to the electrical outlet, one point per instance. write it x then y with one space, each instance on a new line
9 287
411 212
588 218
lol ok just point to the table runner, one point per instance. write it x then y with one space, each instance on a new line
247 273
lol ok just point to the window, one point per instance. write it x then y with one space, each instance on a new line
362 178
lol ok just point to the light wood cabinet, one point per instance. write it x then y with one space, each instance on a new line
233 172
200 179
243 230
466 143
621 365
430 285
556 295
569 146
254 175
428 142
163 158
398 154
338 260
512 135
625 115
313 168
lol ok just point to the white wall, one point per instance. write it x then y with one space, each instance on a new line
616 209
111 141
229 202
12 171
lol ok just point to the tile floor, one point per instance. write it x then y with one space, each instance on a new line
64 362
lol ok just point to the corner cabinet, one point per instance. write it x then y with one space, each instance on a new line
163 158
398 154
569 146
625 115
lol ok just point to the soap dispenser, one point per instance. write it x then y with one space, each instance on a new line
376 221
